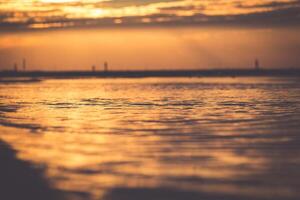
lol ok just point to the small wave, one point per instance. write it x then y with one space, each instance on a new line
32 127
19 81
60 105
9 108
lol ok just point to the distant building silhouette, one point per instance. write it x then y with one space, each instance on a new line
93 68
256 64
105 66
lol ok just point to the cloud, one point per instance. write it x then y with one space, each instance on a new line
49 14
272 4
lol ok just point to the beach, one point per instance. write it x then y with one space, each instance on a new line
20 180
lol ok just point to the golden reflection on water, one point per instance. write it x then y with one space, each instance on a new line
79 166
204 135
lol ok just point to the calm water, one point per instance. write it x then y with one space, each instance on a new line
198 138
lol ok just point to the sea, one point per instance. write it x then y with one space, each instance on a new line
229 138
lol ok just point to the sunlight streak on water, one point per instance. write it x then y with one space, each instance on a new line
235 137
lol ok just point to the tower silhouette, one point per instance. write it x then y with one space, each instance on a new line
256 64
16 67
24 64
93 68
105 66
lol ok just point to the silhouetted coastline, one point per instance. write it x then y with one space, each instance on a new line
153 73
19 80
18 180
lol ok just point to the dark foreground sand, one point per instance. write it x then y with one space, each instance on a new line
19 181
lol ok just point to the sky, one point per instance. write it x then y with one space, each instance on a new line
65 13
149 34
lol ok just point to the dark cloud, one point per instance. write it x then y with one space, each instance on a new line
273 4
285 16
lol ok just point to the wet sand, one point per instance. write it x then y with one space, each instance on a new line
19 180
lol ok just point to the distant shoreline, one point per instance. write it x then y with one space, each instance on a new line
152 73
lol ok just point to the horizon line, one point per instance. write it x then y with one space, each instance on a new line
153 73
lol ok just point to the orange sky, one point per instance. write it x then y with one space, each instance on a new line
151 48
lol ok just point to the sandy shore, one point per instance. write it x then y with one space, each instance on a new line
21 181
